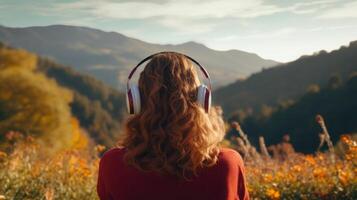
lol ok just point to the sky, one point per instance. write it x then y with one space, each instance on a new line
282 30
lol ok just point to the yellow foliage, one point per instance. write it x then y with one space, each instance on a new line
31 103
79 139
11 58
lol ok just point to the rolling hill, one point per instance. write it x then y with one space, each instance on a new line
286 82
98 107
337 103
110 55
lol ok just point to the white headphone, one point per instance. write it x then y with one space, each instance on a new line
133 101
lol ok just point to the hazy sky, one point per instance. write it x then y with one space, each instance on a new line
282 30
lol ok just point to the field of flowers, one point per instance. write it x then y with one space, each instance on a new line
26 173
319 176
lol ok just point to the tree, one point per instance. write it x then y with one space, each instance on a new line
334 82
30 102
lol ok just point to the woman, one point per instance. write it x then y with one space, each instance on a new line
171 146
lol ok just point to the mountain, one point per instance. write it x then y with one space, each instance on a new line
337 103
286 82
109 55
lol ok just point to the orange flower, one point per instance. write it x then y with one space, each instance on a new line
343 177
2 155
345 139
272 193
296 168
267 177
310 159
49 194
319 173
99 148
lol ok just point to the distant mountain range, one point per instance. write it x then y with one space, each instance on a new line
109 55
286 82
270 102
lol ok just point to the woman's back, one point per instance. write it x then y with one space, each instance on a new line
172 133
223 181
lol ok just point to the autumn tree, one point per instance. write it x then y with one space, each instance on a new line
30 102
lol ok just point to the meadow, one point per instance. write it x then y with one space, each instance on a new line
28 172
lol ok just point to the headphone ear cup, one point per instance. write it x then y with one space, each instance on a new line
204 97
129 102
133 100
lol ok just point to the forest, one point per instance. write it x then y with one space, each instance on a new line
337 102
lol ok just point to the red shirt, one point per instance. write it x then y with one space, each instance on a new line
223 181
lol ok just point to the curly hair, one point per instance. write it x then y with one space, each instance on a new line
172 134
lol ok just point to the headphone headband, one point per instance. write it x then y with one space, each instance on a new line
203 70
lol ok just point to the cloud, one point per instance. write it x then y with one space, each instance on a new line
266 35
331 28
347 10
309 7
191 9
184 16
186 26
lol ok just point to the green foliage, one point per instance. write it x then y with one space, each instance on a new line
337 105
266 103
103 127
334 82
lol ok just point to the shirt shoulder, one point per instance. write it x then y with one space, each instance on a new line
114 154
230 156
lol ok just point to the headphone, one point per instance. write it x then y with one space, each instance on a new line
133 100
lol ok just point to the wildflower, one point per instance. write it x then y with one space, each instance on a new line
13 135
2 155
345 139
99 148
320 157
343 177
250 189
30 139
310 159
296 168
49 194
319 173
267 177
272 193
